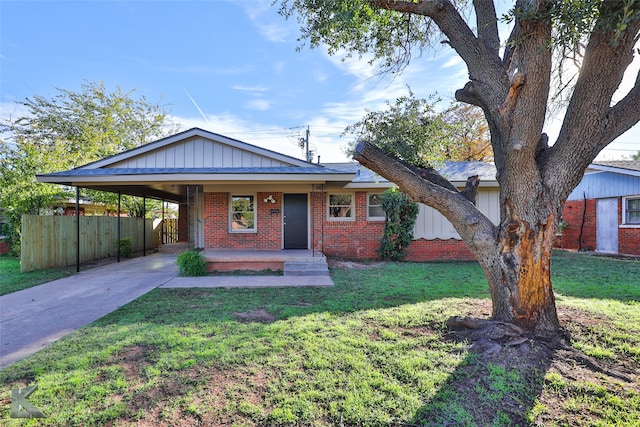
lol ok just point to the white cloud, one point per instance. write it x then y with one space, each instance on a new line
258 104
278 67
324 134
250 88
320 76
270 25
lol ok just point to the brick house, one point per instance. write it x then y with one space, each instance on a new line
234 195
603 212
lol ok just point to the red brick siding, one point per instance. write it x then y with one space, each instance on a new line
628 238
183 223
580 215
439 250
629 241
4 248
217 234
356 239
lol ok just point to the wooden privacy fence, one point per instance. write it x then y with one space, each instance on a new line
50 241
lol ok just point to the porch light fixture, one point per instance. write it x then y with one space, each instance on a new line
270 199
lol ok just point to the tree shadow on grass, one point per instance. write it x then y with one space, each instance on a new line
495 385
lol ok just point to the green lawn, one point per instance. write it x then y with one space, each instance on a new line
372 351
12 280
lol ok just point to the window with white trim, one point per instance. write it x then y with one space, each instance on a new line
242 214
631 209
374 207
340 207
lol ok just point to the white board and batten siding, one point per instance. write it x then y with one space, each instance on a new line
198 152
431 224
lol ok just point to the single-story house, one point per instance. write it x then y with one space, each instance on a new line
234 195
603 212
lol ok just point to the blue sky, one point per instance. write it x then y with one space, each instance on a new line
230 67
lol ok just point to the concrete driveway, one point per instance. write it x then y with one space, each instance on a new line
34 318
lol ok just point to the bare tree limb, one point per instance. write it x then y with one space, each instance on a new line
487 22
430 188
482 60
626 113
601 74
471 188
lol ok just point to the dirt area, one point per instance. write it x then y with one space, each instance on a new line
347 264
530 358
259 316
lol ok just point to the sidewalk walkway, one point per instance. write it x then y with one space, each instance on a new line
33 318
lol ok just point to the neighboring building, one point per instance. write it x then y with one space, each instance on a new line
603 212
238 196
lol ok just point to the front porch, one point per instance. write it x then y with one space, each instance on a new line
291 262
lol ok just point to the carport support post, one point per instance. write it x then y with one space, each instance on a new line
77 229
118 228
144 226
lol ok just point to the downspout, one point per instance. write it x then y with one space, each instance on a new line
322 216
584 215
313 220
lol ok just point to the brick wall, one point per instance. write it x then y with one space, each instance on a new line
580 215
217 234
629 241
4 248
183 223
353 239
628 238
439 250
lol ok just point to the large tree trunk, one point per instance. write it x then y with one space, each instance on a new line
519 275
535 179
515 256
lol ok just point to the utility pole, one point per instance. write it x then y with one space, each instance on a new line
304 144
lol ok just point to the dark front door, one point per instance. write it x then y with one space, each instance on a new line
295 221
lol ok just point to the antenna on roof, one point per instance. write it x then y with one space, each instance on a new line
196 105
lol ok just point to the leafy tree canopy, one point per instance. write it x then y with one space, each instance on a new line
65 131
413 131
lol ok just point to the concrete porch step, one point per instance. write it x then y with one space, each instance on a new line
302 268
175 248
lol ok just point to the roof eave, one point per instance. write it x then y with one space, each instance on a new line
613 169
192 178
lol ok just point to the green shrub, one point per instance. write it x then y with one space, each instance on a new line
401 213
125 247
191 263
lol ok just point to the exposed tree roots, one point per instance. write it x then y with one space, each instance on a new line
492 340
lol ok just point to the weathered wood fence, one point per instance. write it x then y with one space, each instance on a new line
50 241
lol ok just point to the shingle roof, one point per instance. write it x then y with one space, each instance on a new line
212 171
453 171
632 165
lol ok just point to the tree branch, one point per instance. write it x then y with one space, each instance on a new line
625 114
600 77
487 22
430 188
485 67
